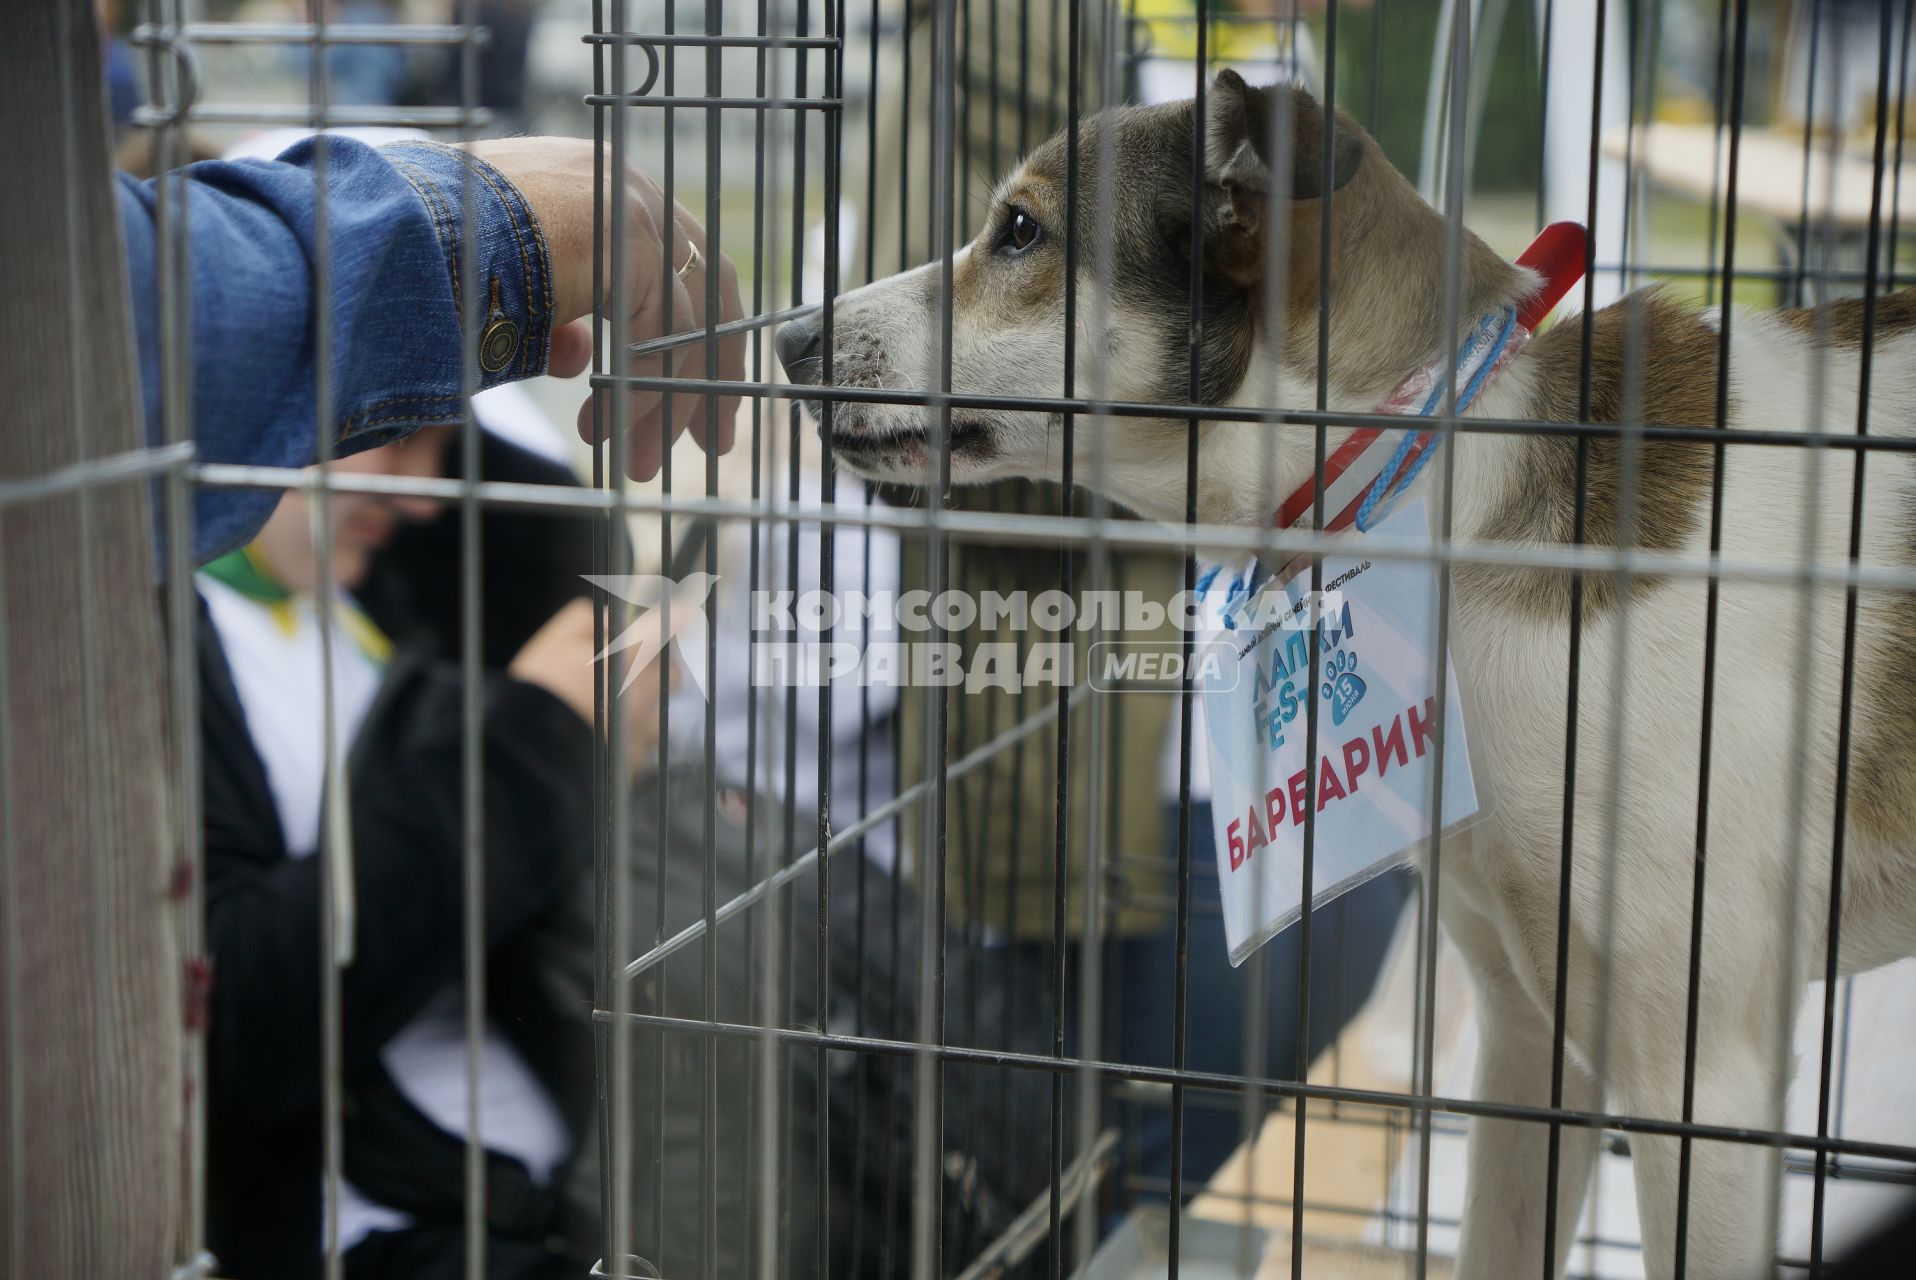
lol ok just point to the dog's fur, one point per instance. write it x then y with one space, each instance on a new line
1774 734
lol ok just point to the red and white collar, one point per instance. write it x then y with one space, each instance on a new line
1376 465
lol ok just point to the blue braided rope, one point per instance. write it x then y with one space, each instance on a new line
1482 375
1383 488
1379 495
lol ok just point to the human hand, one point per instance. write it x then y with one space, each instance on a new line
555 177
558 658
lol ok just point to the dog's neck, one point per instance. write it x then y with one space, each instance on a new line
1246 470
1394 309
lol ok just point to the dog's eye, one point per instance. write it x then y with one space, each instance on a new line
1020 232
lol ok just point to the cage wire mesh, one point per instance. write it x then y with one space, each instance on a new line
953 70
908 978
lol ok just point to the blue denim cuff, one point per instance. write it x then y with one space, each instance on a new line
513 269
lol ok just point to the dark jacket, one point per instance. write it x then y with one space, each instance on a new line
263 908
263 916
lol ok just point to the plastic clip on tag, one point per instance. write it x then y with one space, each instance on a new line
1380 699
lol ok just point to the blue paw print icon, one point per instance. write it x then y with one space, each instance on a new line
1343 688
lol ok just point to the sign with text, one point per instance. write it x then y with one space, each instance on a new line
1378 728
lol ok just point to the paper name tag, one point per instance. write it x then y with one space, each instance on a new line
1376 693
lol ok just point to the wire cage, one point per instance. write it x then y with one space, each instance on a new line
952 70
928 976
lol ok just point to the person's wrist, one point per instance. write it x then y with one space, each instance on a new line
554 176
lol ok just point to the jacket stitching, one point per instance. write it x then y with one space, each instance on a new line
516 215
441 221
487 174
377 414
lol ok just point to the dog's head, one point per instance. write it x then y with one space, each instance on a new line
1254 219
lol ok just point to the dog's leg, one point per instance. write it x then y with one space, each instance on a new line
1733 1185
1509 1160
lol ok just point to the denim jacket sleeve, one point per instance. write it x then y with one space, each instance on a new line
395 227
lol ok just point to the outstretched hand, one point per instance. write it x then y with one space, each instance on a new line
661 288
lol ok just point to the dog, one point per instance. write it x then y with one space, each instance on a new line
1396 300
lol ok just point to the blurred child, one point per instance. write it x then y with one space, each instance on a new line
398 719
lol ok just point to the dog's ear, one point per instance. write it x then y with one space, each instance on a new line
1247 168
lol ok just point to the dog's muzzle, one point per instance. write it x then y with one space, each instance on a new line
799 347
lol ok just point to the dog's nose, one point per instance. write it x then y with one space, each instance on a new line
798 347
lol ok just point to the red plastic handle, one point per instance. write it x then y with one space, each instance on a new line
1558 255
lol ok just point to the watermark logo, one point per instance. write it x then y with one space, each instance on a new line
1121 666
1119 641
682 625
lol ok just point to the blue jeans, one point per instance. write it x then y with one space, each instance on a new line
1348 940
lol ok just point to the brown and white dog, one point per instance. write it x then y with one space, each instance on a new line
1773 742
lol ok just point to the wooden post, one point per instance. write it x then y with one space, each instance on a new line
91 1143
